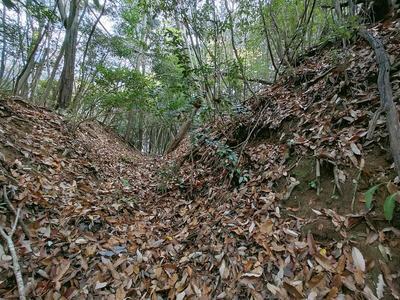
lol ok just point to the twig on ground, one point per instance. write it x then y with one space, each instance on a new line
318 176
336 177
356 181
290 189
11 207
13 252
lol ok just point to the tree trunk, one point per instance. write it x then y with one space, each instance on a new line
128 129
140 133
53 75
38 73
67 75
3 50
85 52
21 85
182 132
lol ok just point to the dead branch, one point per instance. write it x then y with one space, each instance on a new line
13 252
356 182
183 130
318 176
318 78
290 189
386 95
336 178
12 209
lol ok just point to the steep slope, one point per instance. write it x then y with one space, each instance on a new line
307 159
213 220
78 191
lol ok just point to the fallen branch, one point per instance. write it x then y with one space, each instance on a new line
13 252
386 95
318 176
290 189
356 182
184 129
12 209
318 78
336 178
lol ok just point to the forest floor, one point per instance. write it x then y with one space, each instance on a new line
106 222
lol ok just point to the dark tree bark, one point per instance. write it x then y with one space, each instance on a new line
71 34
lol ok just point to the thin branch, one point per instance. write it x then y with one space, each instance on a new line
16 222
12 209
14 255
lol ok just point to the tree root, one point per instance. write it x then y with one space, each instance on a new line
386 95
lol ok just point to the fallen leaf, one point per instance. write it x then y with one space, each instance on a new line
100 285
358 259
266 227
355 149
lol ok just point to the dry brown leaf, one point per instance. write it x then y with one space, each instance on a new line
120 294
293 291
266 227
332 294
316 280
312 248
324 262
64 266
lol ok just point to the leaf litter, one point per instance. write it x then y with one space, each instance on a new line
105 223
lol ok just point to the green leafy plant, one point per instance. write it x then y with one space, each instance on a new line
370 194
389 206
125 182
227 157
313 184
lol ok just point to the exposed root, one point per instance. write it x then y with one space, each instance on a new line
386 95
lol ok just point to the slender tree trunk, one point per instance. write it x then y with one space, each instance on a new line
67 75
85 52
21 85
268 39
140 133
3 50
128 128
182 131
38 73
49 84
7 77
